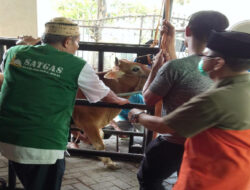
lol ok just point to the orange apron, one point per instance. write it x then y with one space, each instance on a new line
216 159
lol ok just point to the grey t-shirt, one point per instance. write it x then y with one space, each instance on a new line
177 81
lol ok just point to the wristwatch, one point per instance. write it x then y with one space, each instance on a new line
135 117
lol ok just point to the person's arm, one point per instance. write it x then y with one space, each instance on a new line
162 57
94 89
162 83
151 98
24 40
168 43
27 40
111 97
4 61
1 79
193 117
152 123
2 68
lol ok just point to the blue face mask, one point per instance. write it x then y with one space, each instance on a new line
200 67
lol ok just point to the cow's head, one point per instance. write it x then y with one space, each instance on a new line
127 68
129 75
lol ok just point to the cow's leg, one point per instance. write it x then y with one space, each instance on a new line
106 160
95 137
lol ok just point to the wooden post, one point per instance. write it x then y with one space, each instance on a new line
167 10
158 105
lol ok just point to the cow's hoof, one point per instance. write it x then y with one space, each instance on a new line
113 166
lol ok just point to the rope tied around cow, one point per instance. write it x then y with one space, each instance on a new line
128 93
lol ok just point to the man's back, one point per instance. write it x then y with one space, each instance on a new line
178 81
38 91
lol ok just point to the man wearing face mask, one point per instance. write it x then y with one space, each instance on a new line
175 83
216 123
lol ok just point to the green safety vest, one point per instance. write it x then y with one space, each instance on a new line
37 96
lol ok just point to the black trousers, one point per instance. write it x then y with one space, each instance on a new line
40 176
161 160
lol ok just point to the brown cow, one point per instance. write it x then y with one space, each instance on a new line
126 77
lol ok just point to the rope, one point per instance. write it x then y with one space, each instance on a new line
128 93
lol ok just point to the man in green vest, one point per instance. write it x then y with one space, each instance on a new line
37 99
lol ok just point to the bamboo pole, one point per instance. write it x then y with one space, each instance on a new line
167 10
158 105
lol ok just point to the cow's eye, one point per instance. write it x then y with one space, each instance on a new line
135 69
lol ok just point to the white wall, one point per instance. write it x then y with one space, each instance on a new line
45 12
234 10
18 17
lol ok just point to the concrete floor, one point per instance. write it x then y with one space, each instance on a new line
90 173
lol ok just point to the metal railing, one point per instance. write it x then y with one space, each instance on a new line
143 28
147 136
6 43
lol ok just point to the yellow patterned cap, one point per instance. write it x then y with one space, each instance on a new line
62 26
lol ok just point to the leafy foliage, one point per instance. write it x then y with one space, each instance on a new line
77 9
88 9
120 8
182 2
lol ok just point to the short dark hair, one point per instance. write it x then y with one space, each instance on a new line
54 39
203 22
237 64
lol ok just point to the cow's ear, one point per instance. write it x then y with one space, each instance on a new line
114 75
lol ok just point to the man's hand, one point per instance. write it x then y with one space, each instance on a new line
132 113
153 123
113 98
168 40
27 40
122 101
169 31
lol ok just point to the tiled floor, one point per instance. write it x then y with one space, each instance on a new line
91 174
